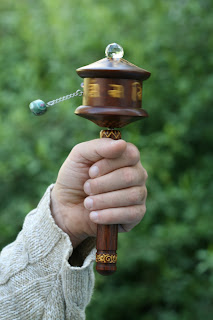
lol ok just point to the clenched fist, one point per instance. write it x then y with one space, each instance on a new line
101 182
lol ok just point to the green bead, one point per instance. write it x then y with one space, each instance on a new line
38 107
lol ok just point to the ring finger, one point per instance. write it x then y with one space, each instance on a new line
121 198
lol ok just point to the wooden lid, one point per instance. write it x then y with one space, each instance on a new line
113 68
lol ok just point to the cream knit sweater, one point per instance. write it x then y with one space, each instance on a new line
36 279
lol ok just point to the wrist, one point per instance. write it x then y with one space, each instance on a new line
58 212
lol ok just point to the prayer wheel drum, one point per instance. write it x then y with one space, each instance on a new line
112 98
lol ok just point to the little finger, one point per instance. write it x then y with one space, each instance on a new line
123 215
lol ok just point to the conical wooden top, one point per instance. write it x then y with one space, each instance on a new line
113 68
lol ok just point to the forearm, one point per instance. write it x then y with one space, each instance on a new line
36 279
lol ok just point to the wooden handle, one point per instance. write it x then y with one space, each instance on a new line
107 235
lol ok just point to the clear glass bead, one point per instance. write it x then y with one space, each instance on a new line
114 51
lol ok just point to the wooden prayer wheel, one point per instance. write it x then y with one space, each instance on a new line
112 98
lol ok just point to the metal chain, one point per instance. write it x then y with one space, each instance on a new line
69 96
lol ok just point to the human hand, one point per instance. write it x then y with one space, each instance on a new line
101 182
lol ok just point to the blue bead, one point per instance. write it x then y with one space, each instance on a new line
38 107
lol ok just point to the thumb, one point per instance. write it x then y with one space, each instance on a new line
95 150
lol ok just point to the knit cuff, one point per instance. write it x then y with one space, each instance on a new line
78 283
42 234
45 236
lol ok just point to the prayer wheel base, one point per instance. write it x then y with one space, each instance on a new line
111 117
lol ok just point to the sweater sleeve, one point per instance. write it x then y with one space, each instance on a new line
36 278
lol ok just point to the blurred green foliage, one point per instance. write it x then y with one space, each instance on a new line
165 268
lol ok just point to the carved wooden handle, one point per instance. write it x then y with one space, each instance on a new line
107 235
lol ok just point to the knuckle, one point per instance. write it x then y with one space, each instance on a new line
142 175
137 213
133 214
133 196
143 210
144 194
128 176
145 174
133 153
140 212
136 195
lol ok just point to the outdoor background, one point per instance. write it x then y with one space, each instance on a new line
165 268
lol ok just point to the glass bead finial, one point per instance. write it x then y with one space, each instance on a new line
114 51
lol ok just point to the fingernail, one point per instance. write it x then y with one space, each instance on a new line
87 188
94 216
94 171
88 203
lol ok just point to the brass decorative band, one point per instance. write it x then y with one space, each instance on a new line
106 258
113 134
125 93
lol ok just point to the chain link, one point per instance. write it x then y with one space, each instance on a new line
69 96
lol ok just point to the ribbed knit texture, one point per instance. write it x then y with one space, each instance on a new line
36 279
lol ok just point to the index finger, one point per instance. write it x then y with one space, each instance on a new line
92 151
130 157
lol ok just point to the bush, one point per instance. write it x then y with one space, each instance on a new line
165 264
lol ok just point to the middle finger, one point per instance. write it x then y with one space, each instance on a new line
120 198
116 180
